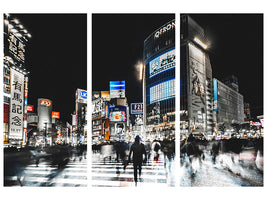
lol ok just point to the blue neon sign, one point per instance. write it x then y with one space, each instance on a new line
83 94
215 89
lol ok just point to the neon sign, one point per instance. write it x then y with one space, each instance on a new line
164 29
46 102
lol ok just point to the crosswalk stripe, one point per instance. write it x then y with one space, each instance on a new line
73 174
97 183
144 170
111 174
123 175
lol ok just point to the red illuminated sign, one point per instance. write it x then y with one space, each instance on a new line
46 102
55 115
29 108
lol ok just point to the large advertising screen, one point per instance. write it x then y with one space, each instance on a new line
136 108
162 91
117 113
16 105
117 116
117 89
161 63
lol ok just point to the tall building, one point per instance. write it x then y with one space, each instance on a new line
232 82
159 81
205 102
15 81
196 98
230 104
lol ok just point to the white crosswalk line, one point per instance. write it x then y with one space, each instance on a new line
73 174
112 174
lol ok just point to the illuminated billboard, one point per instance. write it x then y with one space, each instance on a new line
55 115
16 113
81 96
161 63
29 108
117 89
117 116
117 113
162 91
137 108
16 48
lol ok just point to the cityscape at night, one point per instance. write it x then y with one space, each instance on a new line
135 131
45 99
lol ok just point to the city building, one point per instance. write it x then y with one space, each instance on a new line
205 102
196 97
79 119
16 80
159 81
100 121
247 112
232 82
229 106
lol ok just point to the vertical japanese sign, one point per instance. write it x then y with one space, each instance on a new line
16 48
16 105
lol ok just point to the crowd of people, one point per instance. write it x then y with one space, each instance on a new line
16 159
230 153
137 153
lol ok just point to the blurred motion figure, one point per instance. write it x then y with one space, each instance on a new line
138 150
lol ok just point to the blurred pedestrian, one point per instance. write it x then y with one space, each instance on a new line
156 147
138 150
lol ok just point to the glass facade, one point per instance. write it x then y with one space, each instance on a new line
160 62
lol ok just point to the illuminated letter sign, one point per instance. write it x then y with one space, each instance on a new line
16 105
164 29
16 48
83 94
45 102
29 108
55 115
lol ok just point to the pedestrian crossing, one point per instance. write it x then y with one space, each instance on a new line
112 174
73 174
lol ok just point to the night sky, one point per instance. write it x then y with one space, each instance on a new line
118 41
56 58
237 48
57 53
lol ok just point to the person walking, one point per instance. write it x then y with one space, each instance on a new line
138 150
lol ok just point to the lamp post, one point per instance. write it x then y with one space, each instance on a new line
142 78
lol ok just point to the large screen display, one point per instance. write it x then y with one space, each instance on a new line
117 113
162 91
117 89
161 63
117 116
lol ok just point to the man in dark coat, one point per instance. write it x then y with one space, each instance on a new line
138 149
